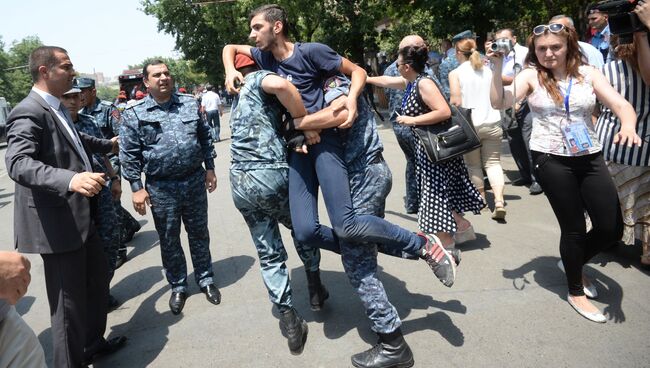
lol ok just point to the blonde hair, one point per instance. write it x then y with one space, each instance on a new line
467 47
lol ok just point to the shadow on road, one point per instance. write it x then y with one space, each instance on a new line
344 312
547 275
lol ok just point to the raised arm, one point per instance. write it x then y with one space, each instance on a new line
619 105
286 93
503 98
386 81
228 58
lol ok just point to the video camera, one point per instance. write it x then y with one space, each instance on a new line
622 20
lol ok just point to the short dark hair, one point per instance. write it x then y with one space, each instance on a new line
43 56
512 32
272 13
145 72
415 56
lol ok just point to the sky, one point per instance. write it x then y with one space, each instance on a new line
105 36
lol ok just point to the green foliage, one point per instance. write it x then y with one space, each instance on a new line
16 82
107 93
349 26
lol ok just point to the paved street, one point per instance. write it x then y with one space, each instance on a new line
507 308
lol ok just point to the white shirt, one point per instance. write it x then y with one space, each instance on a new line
594 57
57 106
210 101
475 93
516 56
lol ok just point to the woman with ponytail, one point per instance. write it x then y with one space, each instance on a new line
469 86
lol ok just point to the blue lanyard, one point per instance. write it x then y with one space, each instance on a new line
566 97
406 95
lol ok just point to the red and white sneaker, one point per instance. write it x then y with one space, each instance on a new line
441 262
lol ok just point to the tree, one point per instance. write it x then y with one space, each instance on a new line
349 26
15 80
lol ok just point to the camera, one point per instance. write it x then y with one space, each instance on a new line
623 22
502 45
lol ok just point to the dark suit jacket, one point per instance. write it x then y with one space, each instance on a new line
41 158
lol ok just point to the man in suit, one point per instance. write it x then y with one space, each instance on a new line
55 188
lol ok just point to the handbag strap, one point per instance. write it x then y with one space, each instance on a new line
419 97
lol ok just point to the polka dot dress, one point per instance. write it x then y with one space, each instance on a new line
444 187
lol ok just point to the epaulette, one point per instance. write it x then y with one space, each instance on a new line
137 103
106 103
86 116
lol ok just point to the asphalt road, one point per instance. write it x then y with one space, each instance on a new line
506 309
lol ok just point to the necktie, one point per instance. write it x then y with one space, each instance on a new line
75 137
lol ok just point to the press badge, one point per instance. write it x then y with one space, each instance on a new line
576 138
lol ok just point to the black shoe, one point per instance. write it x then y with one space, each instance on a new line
521 182
535 188
296 329
112 303
177 301
212 294
391 351
317 292
121 259
130 233
411 210
105 347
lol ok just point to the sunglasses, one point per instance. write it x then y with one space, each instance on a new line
554 28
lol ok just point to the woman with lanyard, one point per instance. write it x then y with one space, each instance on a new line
566 153
445 188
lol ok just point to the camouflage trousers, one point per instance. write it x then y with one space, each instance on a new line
173 201
407 143
128 223
262 197
369 187
107 227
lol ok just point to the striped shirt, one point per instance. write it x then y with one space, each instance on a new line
627 82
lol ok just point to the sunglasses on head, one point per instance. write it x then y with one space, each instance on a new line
554 28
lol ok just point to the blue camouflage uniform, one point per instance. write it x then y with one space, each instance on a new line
405 139
108 118
450 63
105 217
259 180
169 142
370 182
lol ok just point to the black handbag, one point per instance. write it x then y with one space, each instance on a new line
448 139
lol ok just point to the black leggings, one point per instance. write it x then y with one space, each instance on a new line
573 185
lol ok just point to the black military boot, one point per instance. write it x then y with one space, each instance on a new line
391 351
296 329
317 292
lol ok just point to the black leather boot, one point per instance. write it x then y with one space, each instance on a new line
317 292
391 351
296 329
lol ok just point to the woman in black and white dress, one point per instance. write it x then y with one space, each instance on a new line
445 188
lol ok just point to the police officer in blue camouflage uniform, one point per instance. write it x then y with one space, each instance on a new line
450 62
105 217
404 136
107 118
259 179
163 136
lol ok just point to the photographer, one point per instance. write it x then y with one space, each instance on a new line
517 129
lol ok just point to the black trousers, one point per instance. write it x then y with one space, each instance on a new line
77 290
574 185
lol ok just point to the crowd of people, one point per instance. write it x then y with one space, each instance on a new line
576 116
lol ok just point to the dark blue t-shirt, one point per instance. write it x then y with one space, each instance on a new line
307 68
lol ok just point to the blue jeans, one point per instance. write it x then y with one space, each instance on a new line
214 123
324 166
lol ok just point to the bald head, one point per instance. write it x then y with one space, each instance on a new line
411 40
564 20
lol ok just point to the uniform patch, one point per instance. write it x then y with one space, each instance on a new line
116 114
